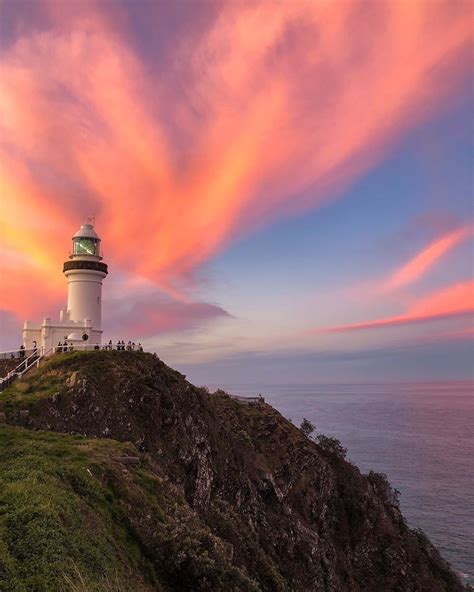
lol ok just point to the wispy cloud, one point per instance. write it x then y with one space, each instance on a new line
452 302
262 110
424 261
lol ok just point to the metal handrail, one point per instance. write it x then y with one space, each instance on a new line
35 361
24 365
34 353
89 347
71 346
13 354
241 399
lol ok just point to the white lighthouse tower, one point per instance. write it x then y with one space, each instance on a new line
84 272
81 320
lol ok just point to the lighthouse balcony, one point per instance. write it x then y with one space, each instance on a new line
85 265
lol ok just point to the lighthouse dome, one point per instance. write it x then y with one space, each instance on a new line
86 231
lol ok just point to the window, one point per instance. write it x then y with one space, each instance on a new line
85 246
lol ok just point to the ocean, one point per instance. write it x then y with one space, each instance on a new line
420 434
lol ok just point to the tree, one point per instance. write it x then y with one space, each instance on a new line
332 445
383 488
307 427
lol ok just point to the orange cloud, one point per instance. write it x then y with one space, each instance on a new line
424 261
454 301
229 126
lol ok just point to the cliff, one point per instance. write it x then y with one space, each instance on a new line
118 474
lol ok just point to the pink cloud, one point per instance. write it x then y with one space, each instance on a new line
455 301
157 313
423 261
180 155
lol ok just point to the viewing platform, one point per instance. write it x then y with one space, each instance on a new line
248 400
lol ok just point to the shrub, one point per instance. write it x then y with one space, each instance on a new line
307 427
382 486
332 445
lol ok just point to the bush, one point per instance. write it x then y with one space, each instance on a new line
382 486
332 445
307 427
221 392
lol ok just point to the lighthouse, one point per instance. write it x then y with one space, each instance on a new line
85 272
81 320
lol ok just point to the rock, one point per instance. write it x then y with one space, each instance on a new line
129 460
287 517
72 380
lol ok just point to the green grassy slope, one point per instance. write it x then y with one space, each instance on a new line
63 524
77 516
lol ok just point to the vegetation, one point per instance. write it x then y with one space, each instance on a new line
7 366
37 385
331 445
60 516
54 376
382 486
71 519
328 444
307 427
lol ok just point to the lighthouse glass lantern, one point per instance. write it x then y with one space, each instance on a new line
86 246
86 243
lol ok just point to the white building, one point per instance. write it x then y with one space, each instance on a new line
81 320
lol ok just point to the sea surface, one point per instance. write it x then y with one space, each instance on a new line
420 434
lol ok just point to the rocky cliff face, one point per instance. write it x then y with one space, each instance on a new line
247 502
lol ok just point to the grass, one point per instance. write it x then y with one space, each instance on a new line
35 386
62 524
149 484
80 583
68 513
52 375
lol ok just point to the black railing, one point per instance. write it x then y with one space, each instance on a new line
93 265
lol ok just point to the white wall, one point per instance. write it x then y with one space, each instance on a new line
84 297
48 335
30 335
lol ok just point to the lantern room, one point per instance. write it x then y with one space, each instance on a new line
86 242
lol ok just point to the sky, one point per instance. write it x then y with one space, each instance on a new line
284 190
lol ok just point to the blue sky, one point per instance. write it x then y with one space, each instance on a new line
292 269
278 199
